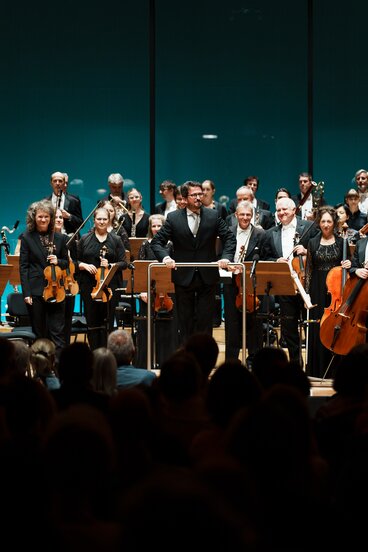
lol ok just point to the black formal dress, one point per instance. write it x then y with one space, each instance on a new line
99 314
320 260
233 316
47 319
165 325
141 228
291 306
195 287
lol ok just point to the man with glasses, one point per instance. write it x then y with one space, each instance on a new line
193 232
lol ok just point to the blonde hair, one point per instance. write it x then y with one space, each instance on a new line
104 371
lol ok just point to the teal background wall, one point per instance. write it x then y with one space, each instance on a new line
75 96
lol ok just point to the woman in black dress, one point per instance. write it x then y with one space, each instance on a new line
136 221
98 248
324 251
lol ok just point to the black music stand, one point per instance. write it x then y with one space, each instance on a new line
135 244
270 278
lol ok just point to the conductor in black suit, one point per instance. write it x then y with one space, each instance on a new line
193 232
70 205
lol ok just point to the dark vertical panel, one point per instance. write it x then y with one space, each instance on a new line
152 101
310 86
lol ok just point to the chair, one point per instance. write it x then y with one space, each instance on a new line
18 318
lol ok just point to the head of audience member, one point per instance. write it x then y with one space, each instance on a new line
361 180
57 181
43 356
244 214
305 182
352 200
231 387
22 359
285 209
75 365
351 376
104 371
252 182
209 190
180 201
205 350
155 222
7 355
40 216
120 343
268 365
116 182
192 193
167 190
180 377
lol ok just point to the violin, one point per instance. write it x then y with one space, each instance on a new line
54 291
100 276
70 284
336 280
252 302
298 262
346 327
163 303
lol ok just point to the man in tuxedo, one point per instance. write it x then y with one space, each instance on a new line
280 246
193 232
309 198
249 240
69 204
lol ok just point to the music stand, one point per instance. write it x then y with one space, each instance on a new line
270 278
97 296
14 278
5 271
135 244
160 280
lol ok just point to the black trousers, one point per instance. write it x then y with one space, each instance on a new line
195 307
47 320
291 311
96 313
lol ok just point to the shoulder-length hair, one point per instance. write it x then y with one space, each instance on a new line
43 205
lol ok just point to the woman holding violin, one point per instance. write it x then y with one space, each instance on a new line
43 256
165 323
97 250
324 251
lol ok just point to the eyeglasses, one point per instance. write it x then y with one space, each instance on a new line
199 194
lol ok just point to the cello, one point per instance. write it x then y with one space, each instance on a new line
336 280
346 327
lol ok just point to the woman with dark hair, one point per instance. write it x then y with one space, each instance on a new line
324 252
40 247
343 215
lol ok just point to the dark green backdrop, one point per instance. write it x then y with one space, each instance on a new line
75 95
